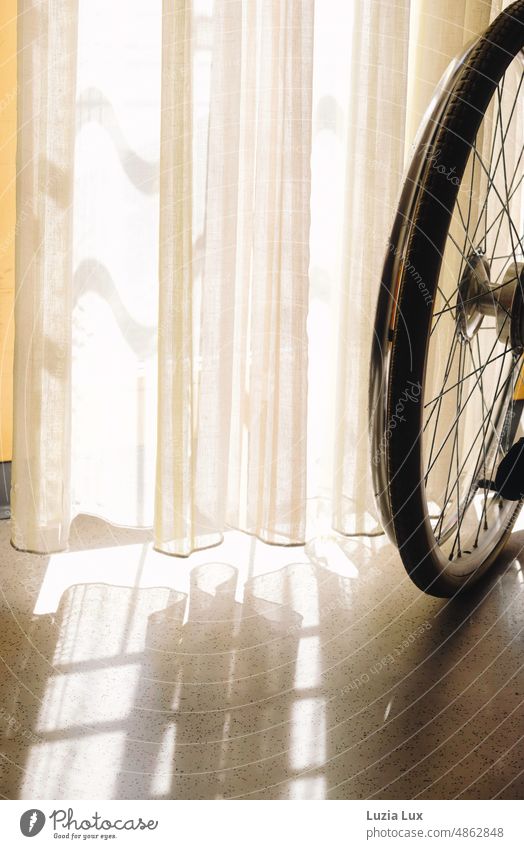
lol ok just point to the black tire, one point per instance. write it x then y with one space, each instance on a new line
467 105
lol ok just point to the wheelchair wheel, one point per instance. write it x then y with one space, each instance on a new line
447 376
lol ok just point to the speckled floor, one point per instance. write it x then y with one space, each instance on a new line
256 672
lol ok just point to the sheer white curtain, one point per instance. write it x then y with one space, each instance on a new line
399 52
375 160
87 259
41 479
234 271
167 331
163 151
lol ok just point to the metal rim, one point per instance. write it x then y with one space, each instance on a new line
478 312
386 304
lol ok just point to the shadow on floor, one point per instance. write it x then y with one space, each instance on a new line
332 677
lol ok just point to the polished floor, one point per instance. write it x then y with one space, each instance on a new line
255 672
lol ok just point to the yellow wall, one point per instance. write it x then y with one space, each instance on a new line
7 217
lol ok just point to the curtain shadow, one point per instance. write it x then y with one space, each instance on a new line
152 693
219 680
92 276
323 679
94 107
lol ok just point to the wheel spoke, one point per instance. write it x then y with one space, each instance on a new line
471 357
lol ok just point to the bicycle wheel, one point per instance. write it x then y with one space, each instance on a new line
447 388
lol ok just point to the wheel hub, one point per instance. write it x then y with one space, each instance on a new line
477 298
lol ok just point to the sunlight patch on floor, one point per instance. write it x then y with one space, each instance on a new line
139 565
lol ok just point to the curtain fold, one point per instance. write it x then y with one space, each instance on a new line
234 273
375 161
399 53
86 258
41 488
175 458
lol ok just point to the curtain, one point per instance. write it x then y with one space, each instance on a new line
192 342
399 52
376 142
41 479
234 274
86 275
